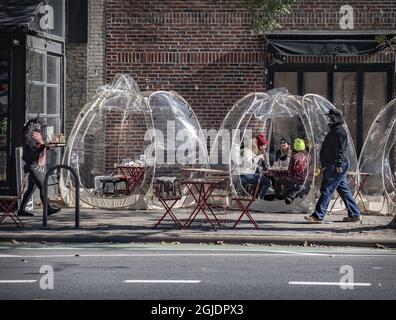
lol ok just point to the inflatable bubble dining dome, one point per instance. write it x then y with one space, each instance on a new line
124 139
285 124
376 162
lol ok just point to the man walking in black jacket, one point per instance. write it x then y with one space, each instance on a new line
334 160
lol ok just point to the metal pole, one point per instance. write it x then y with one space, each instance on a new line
45 200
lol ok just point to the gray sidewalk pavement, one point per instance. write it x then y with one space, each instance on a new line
137 226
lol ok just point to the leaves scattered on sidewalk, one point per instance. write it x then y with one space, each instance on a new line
219 243
380 246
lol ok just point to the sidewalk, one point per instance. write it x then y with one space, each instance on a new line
137 226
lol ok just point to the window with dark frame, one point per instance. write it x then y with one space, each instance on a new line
360 91
44 94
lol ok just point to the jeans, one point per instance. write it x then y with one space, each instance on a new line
36 179
332 181
253 179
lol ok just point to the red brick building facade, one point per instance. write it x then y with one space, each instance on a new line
206 50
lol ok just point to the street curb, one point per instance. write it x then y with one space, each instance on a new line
215 239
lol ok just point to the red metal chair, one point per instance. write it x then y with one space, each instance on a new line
246 202
9 204
168 189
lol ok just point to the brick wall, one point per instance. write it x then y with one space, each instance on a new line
85 64
76 82
96 45
207 51
318 15
203 50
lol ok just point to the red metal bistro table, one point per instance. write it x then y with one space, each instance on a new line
134 176
204 187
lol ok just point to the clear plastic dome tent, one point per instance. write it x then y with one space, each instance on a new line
179 140
316 107
378 159
121 125
109 130
278 114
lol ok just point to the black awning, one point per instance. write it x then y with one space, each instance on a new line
323 45
17 13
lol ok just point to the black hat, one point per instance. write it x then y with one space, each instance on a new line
287 139
334 112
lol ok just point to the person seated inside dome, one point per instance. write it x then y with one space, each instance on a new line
284 152
254 161
293 185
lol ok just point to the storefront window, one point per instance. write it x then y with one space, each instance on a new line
287 80
44 94
345 99
375 97
359 91
4 114
316 82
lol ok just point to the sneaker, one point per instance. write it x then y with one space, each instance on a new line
52 211
24 213
352 219
312 219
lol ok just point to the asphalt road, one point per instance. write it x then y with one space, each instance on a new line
168 272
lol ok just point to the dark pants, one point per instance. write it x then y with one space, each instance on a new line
285 188
253 179
332 181
36 179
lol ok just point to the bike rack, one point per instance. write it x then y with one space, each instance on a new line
45 195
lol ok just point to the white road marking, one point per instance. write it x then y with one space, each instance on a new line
165 252
305 283
17 281
52 248
121 255
256 254
162 281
